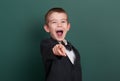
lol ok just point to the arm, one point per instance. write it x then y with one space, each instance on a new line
51 50
46 51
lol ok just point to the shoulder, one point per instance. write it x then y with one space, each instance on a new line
48 42
45 42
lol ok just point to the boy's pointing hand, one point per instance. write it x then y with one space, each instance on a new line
59 50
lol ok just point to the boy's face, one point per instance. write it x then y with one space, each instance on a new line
57 25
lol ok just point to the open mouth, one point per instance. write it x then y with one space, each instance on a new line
59 32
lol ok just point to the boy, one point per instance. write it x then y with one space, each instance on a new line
61 59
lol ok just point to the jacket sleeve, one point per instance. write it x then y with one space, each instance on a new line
46 51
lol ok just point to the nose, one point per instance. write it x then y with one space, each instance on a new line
59 24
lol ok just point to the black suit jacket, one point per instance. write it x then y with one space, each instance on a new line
59 68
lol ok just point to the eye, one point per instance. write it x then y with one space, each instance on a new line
54 22
63 21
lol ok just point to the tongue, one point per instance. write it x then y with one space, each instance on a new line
59 33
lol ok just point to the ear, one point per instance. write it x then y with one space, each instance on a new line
46 28
68 27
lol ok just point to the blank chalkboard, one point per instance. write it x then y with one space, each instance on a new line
95 32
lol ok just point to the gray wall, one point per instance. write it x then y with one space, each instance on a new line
95 30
